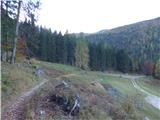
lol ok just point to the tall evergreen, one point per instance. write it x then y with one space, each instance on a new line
65 48
44 45
7 28
53 48
71 43
59 48
123 61
93 58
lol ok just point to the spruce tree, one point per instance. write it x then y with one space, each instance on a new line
71 43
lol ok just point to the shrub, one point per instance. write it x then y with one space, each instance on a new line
128 107
148 67
6 83
157 69
33 61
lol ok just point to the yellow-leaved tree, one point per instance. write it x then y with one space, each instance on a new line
81 53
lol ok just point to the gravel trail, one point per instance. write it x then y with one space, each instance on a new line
150 98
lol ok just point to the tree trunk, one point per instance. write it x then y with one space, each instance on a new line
16 34
7 55
1 54
7 32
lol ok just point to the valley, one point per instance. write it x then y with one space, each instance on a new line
80 60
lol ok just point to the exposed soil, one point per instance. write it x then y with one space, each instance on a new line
16 110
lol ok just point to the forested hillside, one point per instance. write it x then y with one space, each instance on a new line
141 41
131 48
143 37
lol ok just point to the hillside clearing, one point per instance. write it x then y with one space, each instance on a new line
96 101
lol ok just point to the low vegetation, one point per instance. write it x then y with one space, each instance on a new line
16 79
97 101
150 84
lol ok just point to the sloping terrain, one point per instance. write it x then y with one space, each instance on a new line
150 98
139 39
103 96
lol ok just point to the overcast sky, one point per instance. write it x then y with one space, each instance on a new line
94 15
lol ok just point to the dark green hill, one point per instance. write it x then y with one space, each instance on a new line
141 40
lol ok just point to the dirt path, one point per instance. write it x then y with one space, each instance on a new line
15 111
151 99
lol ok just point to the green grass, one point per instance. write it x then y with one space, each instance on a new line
150 111
61 67
24 77
122 84
153 89
16 79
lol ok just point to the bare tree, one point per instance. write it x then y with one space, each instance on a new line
30 8
16 33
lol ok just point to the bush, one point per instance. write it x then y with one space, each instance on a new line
157 69
6 83
148 67
33 61
92 113
128 107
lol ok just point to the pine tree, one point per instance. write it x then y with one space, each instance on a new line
8 27
59 48
44 45
54 36
102 56
92 56
71 43
81 53
65 48
123 61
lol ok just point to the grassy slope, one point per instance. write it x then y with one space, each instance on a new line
123 85
25 79
153 89
16 79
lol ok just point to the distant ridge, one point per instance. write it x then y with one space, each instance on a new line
141 38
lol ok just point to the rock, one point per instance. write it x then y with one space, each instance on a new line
40 72
146 118
67 98
42 112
